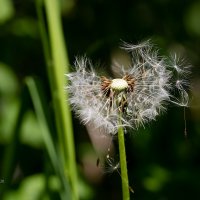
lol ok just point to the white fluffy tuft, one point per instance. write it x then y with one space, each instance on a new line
158 80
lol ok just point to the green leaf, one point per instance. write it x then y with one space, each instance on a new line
6 10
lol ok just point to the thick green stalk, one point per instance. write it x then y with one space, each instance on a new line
123 164
60 66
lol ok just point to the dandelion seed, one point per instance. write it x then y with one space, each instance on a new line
113 165
110 164
139 95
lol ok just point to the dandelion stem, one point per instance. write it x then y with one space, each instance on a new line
123 164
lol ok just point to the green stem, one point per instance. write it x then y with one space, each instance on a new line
62 110
123 164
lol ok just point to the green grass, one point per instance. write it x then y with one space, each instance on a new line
57 62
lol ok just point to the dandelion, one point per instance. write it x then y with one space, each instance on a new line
138 96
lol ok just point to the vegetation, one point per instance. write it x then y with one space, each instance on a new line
45 152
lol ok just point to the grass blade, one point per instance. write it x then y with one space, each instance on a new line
62 110
42 115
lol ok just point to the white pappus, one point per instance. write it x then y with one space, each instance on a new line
136 97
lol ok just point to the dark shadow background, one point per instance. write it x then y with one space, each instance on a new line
163 164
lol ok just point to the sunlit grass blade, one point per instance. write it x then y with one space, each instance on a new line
63 117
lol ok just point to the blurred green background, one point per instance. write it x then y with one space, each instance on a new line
162 163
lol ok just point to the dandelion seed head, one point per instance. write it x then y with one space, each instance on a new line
139 95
